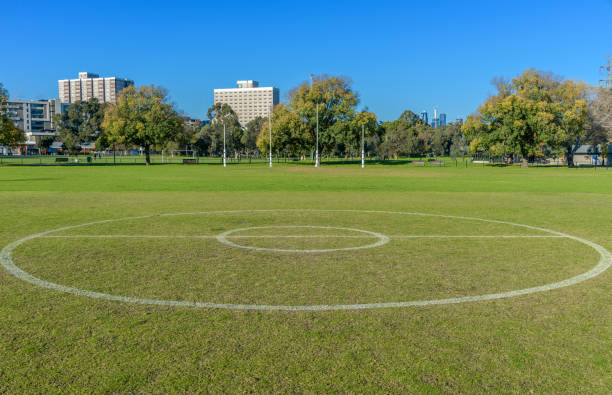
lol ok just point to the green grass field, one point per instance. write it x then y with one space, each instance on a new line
382 245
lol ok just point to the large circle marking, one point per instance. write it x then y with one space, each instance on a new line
604 263
382 239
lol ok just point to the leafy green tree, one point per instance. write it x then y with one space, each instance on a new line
80 123
336 102
186 138
600 110
44 143
409 134
364 119
447 140
222 114
534 111
10 136
209 141
142 117
294 123
604 152
600 116
205 141
287 133
395 142
251 132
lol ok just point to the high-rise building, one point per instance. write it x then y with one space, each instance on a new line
435 122
34 117
90 85
442 119
424 116
248 100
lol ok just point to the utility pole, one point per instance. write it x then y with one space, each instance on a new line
317 139
270 125
362 146
317 147
607 82
224 161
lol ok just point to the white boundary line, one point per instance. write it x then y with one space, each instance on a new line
382 239
301 237
604 263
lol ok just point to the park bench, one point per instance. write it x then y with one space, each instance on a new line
61 159
437 163
418 163
191 161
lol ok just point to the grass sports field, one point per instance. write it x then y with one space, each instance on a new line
293 279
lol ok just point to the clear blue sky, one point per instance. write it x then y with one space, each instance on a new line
400 55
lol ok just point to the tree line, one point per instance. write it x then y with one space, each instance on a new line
534 114
538 114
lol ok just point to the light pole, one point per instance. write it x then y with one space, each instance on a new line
224 161
317 143
317 138
362 146
270 125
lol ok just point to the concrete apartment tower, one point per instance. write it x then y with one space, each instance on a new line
34 117
248 100
90 85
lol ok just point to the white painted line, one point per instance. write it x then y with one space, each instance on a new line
382 239
476 237
126 237
305 236
604 263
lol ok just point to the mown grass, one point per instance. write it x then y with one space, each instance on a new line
558 341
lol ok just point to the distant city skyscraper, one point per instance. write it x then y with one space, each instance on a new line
90 85
424 117
435 121
442 119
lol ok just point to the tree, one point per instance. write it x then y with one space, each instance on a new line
253 128
600 116
186 137
534 111
287 133
203 143
409 134
395 142
294 123
222 114
601 109
44 143
142 117
81 123
447 140
336 104
10 136
365 120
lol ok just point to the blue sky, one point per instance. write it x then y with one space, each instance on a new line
400 55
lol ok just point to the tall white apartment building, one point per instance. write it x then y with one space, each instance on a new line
248 100
90 85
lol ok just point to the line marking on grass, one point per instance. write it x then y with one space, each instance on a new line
304 236
603 264
381 239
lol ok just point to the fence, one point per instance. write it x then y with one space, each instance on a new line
121 158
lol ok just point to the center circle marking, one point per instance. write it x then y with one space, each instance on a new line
604 263
382 239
